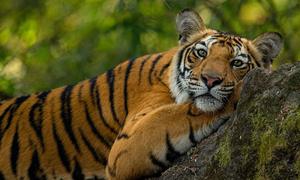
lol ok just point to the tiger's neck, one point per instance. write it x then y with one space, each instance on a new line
135 85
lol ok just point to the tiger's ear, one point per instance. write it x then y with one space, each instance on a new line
188 22
269 45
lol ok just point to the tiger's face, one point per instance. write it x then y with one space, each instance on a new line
209 64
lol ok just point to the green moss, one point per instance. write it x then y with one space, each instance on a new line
223 155
291 122
270 135
294 80
263 118
268 143
260 124
260 177
259 121
297 164
245 153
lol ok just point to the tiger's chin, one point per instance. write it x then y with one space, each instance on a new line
208 103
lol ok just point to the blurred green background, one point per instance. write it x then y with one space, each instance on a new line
49 43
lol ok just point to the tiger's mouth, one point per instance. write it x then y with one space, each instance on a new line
206 95
206 99
208 103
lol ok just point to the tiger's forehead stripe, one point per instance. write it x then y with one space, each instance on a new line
235 43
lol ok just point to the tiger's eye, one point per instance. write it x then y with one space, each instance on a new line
202 53
237 63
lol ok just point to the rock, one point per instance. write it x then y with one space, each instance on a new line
260 141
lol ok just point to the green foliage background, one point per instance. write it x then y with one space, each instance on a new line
50 43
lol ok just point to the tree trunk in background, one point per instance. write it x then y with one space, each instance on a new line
262 138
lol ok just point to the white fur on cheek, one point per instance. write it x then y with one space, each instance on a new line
180 94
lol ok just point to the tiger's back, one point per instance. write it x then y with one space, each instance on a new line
70 130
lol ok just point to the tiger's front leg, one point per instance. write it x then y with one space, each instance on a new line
148 145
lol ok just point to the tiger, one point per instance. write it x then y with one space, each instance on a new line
134 120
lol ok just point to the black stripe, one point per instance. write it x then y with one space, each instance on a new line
42 98
34 171
191 134
186 54
215 42
90 120
235 105
110 81
195 54
2 118
244 55
43 95
77 172
94 129
157 162
252 66
237 42
61 149
255 61
14 151
179 60
5 112
154 63
238 39
164 68
178 83
142 67
125 93
112 170
243 68
202 43
226 90
122 136
163 83
18 102
1 176
52 120
36 123
182 56
172 154
92 88
66 114
99 108
97 157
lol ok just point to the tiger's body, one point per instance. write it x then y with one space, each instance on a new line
135 119
82 120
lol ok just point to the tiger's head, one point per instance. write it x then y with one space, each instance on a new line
209 64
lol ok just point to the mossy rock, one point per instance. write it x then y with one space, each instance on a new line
262 138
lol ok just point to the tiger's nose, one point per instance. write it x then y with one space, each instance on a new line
211 81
